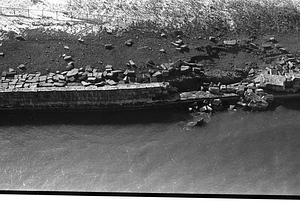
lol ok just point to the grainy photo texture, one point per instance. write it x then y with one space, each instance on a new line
151 96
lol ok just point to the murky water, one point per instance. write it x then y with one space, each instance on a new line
236 152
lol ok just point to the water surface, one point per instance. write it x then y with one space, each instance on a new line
236 152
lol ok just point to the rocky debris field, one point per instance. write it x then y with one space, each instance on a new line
124 56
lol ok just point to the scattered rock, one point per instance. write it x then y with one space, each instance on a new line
157 74
69 67
36 23
111 82
1 54
184 47
102 83
129 72
131 63
129 42
72 73
88 68
273 40
163 35
84 83
179 42
11 70
19 38
144 47
230 42
108 67
212 39
165 66
197 70
66 47
22 67
64 72
59 84
251 72
71 79
150 63
91 79
71 63
283 50
253 45
108 46
162 50
232 107
185 68
266 46
67 58
117 72
175 44
80 40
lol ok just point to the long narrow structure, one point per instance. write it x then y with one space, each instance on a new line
117 97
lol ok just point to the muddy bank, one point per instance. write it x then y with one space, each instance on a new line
185 60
